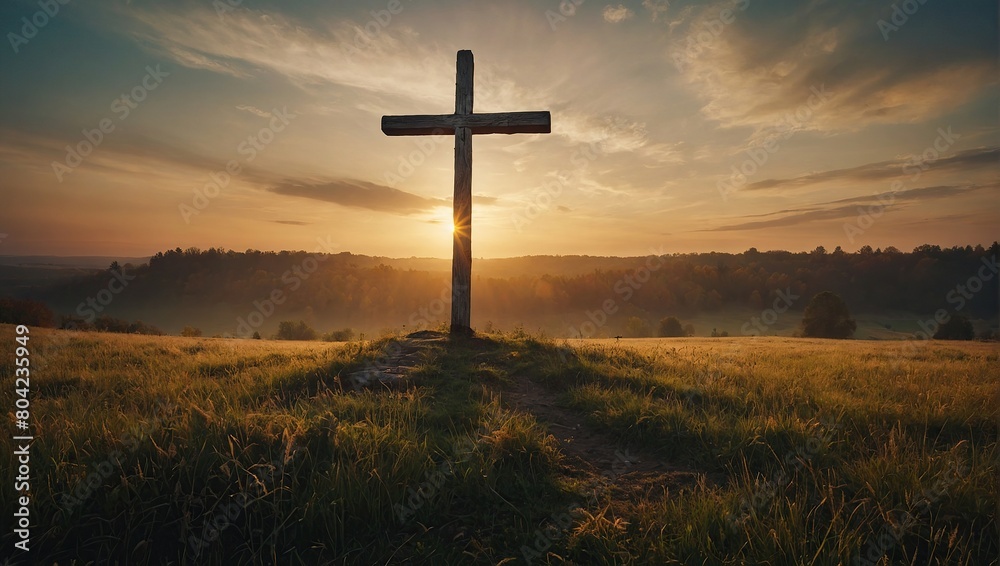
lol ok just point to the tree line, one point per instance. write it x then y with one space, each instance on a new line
354 290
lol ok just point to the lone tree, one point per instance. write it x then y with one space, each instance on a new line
670 327
636 327
956 328
289 330
827 316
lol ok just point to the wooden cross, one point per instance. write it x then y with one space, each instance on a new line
463 124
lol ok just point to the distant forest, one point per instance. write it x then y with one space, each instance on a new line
343 290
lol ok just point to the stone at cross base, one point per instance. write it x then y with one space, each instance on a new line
463 124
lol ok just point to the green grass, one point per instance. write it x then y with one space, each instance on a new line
811 450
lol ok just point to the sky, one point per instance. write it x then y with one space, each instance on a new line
131 127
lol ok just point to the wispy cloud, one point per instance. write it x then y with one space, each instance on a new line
362 194
657 8
963 161
617 14
123 154
616 134
354 193
484 200
338 52
755 70
395 62
848 208
254 110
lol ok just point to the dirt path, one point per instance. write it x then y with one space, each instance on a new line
593 454
590 454
398 358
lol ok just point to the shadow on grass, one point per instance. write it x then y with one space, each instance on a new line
291 469
278 463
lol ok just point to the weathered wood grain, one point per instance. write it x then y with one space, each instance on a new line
464 124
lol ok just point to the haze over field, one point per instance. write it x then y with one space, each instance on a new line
753 293
688 125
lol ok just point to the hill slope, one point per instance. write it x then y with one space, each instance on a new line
174 450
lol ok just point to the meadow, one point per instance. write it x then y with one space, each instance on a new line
509 448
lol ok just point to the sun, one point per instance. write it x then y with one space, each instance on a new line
444 220
448 226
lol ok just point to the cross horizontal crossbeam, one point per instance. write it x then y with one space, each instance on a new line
487 123
463 124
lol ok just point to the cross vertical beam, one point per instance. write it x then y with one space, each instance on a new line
464 124
461 262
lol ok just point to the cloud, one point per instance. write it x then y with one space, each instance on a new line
252 42
392 61
962 161
371 196
657 8
126 153
762 65
254 110
848 208
616 134
362 194
292 222
663 153
923 193
395 62
484 200
791 220
195 60
617 14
